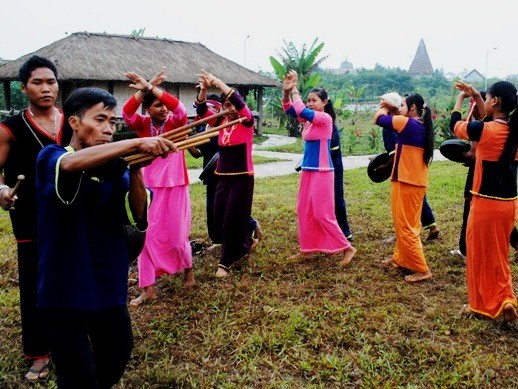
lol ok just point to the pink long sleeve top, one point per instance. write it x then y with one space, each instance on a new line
159 174
317 131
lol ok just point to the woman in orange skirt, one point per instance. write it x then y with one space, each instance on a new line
494 204
409 179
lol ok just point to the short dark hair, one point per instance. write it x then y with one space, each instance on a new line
214 97
33 63
148 99
80 101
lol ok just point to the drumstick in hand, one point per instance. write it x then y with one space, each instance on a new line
20 178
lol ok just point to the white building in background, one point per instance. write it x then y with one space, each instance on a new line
345 68
473 76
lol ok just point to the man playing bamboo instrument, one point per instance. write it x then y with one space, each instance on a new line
85 196
167 249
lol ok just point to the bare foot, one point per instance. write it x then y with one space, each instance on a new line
221 273
255 243
510 314
214 246
418 276
389 240
465 310
258 232
433 233
389 262
348 256
38 371
147 294
188 278
299 257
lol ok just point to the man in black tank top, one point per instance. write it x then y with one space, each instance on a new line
21 138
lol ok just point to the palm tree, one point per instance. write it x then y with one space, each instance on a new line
304 62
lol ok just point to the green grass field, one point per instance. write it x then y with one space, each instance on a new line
275 324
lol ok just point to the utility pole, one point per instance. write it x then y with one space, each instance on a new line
487 57
244 55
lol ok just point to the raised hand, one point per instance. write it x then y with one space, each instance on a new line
159 78
467 89
393 110
287 82
137 81
294 76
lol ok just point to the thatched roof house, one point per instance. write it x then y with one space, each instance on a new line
92 59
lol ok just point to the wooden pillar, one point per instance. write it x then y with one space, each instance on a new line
260 92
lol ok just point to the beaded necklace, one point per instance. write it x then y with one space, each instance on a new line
153 130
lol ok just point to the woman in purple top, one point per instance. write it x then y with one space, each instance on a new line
318 229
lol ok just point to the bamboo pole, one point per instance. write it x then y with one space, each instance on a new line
179 133
192 141
191 125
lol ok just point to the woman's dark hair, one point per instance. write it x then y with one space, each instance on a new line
148 100
80 101
33 63
323 95
506 92
425 113
214 97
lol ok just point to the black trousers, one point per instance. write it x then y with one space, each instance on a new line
427 216
232 209
34 337
340 204
214 233
89 349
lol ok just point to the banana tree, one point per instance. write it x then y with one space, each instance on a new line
305 63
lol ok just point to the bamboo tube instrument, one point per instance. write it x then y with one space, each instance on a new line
179 133
191 141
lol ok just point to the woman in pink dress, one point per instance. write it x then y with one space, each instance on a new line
318 228
167 249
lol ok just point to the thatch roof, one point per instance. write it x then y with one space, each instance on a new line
421 63
106 57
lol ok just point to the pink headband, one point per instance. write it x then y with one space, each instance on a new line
214 103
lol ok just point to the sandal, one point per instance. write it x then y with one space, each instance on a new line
222 271
34 375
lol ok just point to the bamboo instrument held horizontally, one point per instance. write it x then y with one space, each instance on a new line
180 132
195 140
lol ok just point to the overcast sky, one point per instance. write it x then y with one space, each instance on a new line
459 36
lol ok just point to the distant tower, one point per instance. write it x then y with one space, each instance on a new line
346 67
421 64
